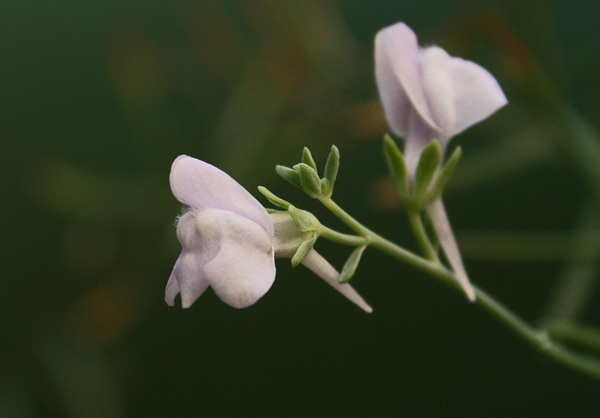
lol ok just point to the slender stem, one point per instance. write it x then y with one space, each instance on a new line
537 338
345 217
416 223
343 239
575 288
576 334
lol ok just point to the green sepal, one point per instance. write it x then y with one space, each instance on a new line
277 201
325 187
351 265
427 168
303 250
288 174
271 210
305 221
332 166
309 179
445 174
396 165
308 159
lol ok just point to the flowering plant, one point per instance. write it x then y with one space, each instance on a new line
229 240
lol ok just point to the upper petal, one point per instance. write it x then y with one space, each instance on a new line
200 185
398 77
460 93
243 269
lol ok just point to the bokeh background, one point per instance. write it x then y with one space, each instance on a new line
98 97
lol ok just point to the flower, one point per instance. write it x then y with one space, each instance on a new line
225 238
428 95
228 241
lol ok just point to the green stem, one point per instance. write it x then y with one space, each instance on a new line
583 336
575 288
416 223
344 239
345 217
539 339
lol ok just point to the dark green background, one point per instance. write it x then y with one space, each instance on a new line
98 97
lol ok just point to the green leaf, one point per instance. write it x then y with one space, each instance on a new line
427 167
288 174
351 265
309 179
332 166
396 164
308 159
303 250
277 201
446 173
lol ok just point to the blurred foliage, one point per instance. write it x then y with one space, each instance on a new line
98 98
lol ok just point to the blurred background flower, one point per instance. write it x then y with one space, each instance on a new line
98 98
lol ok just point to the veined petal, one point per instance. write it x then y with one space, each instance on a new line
398 77
243 269
460 93
200 185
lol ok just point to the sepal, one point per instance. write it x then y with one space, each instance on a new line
445 174
304 249
271 197
396 166
305 221
427 168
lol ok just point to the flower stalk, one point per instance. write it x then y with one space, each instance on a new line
538 338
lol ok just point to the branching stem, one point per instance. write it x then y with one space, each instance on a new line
538 338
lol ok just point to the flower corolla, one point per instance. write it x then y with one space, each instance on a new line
428 94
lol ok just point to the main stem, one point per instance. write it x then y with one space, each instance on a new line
537 338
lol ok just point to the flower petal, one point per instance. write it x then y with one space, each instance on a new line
200 185
460 93
171 290
189 278
419 135
243 269
398 77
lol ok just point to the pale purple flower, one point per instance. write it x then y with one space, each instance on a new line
227 241
426 93
429 95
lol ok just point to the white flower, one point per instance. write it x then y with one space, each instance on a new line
227 240
428 95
